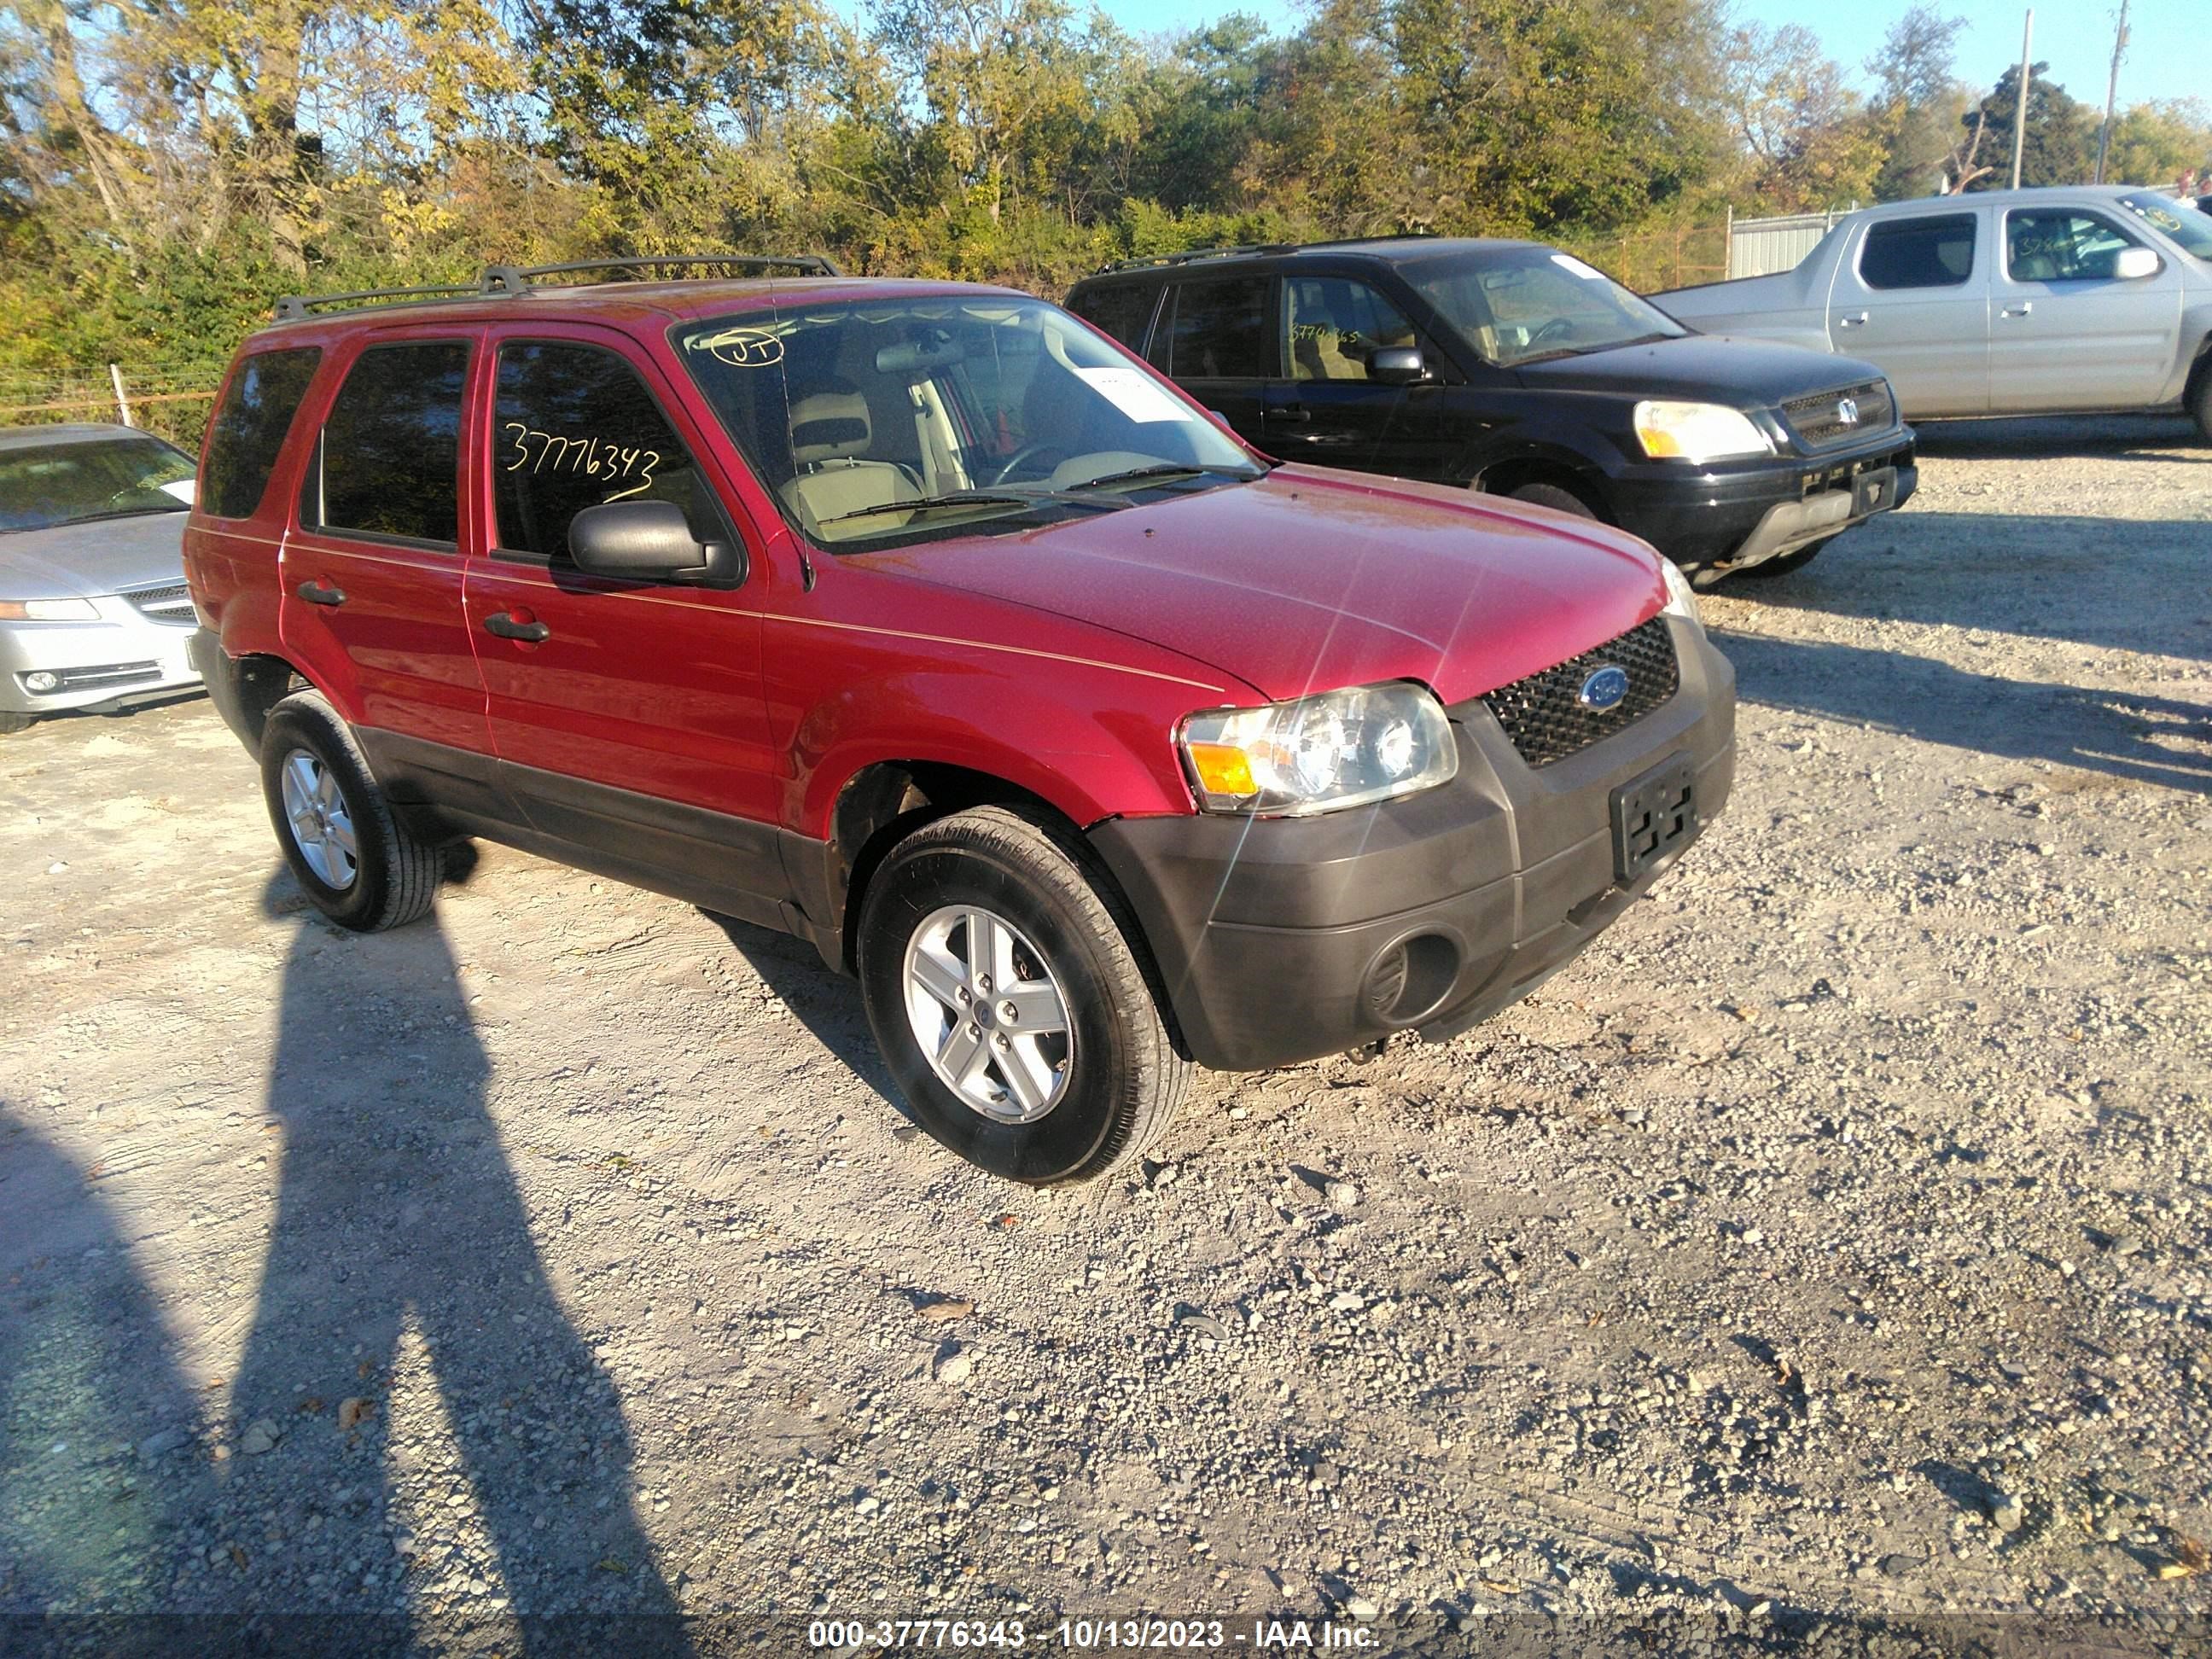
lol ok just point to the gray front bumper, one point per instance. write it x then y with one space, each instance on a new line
122 657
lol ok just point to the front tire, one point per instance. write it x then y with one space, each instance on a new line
11 722
1556 497
1010 1004
359 864
2199 397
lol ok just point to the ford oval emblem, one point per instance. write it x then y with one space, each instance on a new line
1607 685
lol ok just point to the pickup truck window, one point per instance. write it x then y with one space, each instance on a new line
2061 244
2183 222
1937 251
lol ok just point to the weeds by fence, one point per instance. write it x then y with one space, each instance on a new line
172 402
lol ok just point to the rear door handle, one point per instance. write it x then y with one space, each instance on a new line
2020 310
1290 414
315 593
1853 320
508 626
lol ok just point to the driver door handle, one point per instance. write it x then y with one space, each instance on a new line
1851 320
315 593
508 626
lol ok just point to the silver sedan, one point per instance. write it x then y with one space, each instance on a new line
94 610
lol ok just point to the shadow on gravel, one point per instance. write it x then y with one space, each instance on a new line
827 1004
2114 584
2108 437
396 1210
2150 739
102 1471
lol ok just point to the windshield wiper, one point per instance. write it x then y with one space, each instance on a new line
924 503
1166 470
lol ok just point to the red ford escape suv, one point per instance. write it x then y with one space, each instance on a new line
924 622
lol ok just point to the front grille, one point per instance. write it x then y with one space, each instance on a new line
1544 714
1818 420
165 605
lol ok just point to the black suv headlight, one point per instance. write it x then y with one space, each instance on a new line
1320 754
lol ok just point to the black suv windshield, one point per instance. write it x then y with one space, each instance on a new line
1514 304
882 420
2182 221
42 485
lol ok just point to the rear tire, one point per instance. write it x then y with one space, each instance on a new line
1786 563
359 864
993 911
1557 496
2199 397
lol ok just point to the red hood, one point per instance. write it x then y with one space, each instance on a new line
1308 580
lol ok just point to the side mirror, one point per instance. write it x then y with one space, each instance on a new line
647 541
1397 366
2132 264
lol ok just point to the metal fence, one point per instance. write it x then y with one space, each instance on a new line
1760 247
172 401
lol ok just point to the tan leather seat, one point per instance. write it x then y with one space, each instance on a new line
830 432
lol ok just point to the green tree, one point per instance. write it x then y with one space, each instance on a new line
2061 142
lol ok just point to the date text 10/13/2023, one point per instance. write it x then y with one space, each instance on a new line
854 1636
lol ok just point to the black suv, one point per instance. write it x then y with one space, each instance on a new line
1517 369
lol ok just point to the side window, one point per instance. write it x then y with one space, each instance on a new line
1334 325
1932 252
575 426
389 462
2061 244
1119 309
247 433
1221 331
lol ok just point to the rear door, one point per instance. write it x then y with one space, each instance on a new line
1214 337
2067 333
1911 295
1326 410
372 567
629 717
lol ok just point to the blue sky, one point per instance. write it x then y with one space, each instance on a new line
2170 40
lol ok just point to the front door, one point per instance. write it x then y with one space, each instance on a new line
2067 331
629 717
1327 410
372 567
1913 299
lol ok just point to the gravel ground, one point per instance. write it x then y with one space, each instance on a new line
1829 1245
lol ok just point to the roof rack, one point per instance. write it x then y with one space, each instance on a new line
514 281
1232 250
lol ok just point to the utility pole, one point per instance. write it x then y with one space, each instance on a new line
2019 110
2111 91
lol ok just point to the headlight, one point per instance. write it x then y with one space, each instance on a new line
48 610
1319 754
1697 431
1681 597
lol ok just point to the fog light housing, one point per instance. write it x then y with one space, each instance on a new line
42 679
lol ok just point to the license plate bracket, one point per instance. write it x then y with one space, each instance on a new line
1654 813
1873 490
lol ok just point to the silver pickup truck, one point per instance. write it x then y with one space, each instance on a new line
2000 303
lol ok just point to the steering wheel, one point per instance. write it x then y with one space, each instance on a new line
1026 453
1558 327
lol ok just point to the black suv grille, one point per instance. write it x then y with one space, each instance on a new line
1818 420
1544 716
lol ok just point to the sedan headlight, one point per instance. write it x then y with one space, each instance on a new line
1697 431
48 610
1320 754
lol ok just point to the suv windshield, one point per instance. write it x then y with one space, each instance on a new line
42 485
892 419
2181 221
1515 305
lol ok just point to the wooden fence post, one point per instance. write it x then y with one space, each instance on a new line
122 403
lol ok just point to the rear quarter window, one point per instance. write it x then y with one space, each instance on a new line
1123 310
1937 251
247 433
